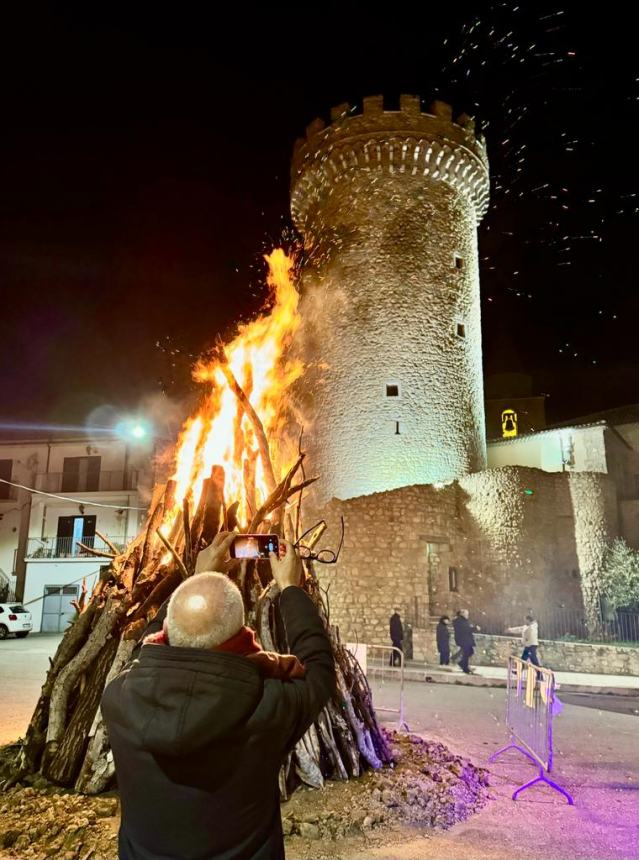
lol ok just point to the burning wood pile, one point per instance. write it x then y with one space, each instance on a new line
225 478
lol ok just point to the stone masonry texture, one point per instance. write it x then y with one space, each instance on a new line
392 398
388 204
509 550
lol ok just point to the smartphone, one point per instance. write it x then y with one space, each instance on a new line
254 546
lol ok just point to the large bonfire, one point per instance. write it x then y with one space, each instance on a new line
236 467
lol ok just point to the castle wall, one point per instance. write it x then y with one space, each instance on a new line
388 203
498 542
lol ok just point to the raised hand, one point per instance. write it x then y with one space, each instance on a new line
216 556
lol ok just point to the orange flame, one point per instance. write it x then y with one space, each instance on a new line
221 433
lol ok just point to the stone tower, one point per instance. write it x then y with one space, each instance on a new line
388 204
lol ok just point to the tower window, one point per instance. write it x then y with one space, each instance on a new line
459 262
392 389
461 330
452 579
398 429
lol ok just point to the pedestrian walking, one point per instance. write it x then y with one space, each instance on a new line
464 638
443 640
529 633
396 637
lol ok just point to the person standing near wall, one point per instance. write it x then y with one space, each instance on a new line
443 640
529 633
464 638
396 636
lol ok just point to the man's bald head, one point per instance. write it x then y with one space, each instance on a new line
204 611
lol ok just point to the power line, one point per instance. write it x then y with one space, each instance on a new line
68 499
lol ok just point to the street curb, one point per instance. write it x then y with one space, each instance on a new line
481 681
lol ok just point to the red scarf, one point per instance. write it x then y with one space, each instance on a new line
283 667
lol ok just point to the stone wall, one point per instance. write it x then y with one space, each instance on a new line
383 563
498 542
559 656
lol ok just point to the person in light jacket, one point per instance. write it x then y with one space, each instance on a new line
529 633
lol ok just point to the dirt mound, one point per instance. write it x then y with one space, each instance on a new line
428 787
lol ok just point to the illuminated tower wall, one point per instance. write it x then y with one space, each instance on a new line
388 204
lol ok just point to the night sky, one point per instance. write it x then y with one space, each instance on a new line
144 170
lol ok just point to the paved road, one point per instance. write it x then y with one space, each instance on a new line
597 760
23 666
617 704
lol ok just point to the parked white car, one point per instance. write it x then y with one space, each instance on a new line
14 618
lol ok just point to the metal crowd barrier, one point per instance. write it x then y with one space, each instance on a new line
531 705
381 664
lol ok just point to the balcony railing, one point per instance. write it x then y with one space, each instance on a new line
104 481
68 547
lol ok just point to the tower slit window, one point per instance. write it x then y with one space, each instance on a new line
453 581
392 389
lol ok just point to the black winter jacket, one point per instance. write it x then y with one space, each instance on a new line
443 637
198 739
463 632
396 628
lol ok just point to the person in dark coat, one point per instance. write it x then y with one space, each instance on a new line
396 636
200 724
443 640
464 638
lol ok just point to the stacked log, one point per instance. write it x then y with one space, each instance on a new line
66 741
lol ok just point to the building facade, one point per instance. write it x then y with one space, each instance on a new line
86 487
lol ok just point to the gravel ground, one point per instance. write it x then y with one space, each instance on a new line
428 788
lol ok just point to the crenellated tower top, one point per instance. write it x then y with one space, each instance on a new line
408 140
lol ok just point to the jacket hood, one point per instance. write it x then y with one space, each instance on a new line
178 700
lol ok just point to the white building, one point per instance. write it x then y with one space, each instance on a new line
87 487
602 446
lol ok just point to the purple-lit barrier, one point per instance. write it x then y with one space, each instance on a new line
531 705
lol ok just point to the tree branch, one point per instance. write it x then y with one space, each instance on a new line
262 442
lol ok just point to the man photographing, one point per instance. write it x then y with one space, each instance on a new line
201 722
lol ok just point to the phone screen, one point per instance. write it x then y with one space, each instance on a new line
254 546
